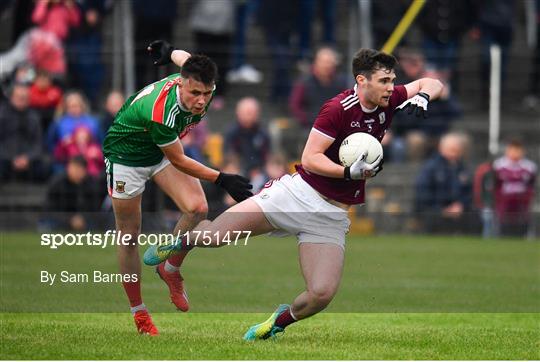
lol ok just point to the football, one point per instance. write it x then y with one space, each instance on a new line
357 143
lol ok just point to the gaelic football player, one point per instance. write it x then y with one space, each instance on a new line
144 143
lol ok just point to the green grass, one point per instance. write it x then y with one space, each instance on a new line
400 298
326 336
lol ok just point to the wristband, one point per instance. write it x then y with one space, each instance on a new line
347 173
424 95
219 179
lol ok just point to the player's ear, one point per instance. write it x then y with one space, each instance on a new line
361 80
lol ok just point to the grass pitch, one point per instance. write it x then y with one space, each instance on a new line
401 298
326 336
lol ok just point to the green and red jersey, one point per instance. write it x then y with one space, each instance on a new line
150 119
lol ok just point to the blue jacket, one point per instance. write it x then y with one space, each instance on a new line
440 183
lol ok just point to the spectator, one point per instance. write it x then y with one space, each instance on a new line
443 24
385 19
495 26
76 114
323 83
115 100
81 143
195 140
241 71
84 47
246 139
153 20
515 177
393 148
275 167
24 73
56 16
212 23
71 197
45 97
43 46
444 188
21 138
309 9
279 24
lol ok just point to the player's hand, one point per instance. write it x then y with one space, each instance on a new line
361 170
160 51
417 105
237 186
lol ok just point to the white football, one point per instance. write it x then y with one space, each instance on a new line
357 143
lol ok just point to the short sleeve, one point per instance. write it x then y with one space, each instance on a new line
398 96
328 121
161 134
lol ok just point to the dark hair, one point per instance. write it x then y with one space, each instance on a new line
515 142
11 87
200 68
367 61
78 160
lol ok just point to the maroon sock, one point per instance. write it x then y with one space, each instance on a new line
284 319
133 291
186 244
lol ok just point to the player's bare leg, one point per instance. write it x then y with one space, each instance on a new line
188 195
246 217
127 214
322 265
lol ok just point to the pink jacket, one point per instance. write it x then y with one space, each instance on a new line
56 18
90 150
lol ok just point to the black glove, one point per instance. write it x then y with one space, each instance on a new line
237 186
161 52
417 105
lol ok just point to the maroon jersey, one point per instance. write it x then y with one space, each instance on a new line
514 188
338 118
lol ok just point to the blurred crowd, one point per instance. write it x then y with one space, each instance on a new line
56 107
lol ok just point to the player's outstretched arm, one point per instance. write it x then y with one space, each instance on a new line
237 186
430 86
419 94
179 57
164 53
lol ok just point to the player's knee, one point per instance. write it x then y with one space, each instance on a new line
198 211
322 295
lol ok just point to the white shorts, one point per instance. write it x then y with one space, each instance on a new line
126 182
293 207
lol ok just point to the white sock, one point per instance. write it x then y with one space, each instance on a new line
169 268
292 315
138 308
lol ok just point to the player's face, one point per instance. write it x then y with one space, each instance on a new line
379 88
195 95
